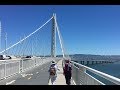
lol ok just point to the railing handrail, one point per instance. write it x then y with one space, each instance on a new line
104 75
10 60
94 60
24 58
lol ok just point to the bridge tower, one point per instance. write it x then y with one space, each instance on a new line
53 37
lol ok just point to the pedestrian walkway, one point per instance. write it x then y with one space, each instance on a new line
60 77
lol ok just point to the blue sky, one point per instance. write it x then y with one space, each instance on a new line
86 29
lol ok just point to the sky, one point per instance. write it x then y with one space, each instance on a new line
85 29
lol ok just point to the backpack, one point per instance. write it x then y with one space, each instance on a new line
52 70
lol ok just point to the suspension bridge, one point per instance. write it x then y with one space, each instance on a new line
31 57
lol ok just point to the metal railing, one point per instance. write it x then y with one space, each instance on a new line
81 77
11 67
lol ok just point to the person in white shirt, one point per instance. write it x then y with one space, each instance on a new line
53 72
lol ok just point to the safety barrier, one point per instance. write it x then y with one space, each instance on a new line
81 77
11 67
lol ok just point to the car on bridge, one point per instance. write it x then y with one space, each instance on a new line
4 57
28 57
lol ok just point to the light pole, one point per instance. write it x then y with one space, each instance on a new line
5 43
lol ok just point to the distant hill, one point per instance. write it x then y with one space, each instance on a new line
93 57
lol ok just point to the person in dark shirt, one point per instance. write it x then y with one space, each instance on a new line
67 71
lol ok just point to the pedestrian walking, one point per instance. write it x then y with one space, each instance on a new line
53 72
67 71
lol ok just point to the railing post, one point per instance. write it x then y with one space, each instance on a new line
35 61
85 79
19 67
74 73
77 70
5 70
22 66
39 61
42 61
